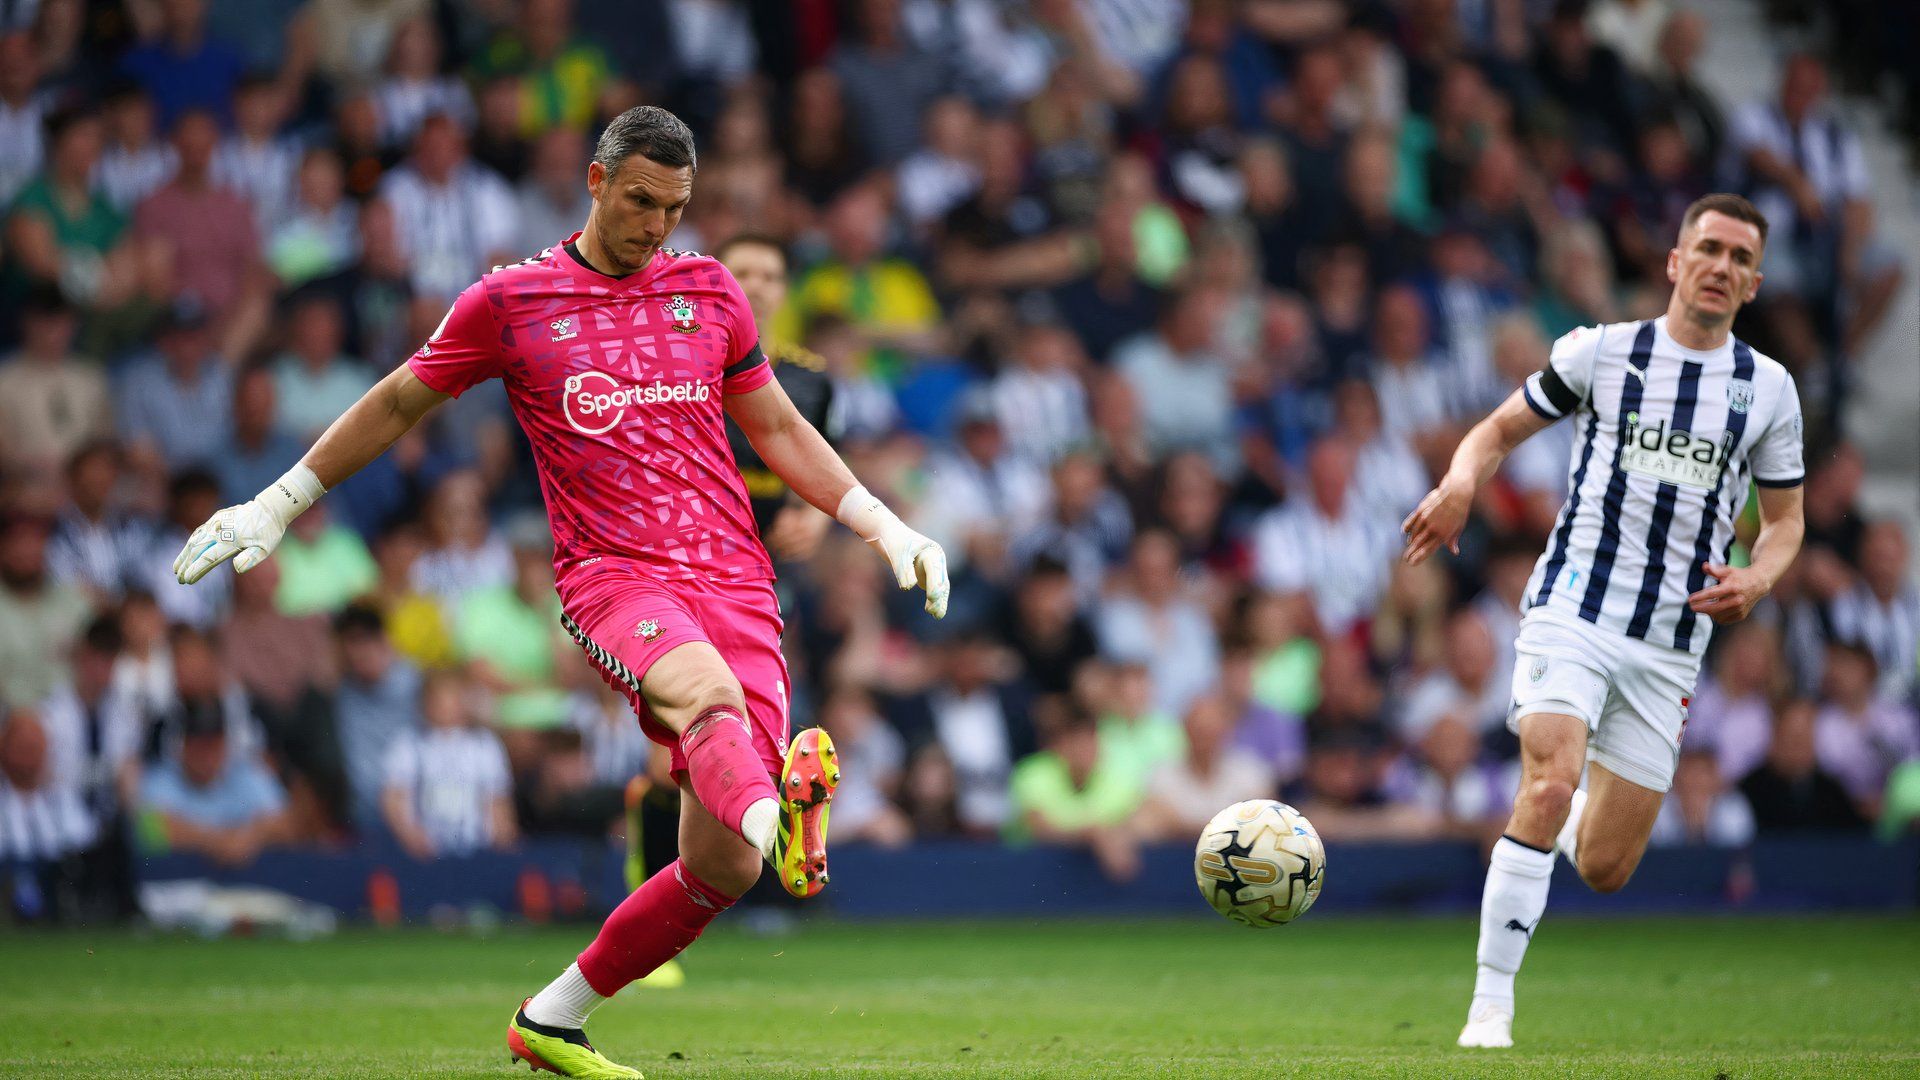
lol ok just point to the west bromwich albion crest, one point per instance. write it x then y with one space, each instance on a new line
1739 394
681 309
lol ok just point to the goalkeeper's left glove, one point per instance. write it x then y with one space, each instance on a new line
250 530
915 559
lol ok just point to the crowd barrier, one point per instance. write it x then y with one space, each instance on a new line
557 879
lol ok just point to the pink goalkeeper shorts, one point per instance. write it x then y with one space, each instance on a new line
625 619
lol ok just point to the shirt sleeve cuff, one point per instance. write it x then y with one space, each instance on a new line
1526 390
1783 482
436 380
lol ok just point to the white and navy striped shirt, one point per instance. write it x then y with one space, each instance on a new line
451 776
1665 440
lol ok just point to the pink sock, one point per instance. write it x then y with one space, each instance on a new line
727 773
650 927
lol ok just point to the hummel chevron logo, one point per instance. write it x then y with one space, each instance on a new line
1516 924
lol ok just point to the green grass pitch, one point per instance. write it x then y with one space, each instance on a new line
1703 998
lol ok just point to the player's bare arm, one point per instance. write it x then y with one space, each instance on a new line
1437 521
249 532
1741 587
799 455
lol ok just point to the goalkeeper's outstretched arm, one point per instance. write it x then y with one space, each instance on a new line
801 456
248 533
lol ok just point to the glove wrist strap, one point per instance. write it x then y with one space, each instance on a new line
866 515
290 496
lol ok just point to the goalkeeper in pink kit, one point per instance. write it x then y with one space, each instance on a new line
618 356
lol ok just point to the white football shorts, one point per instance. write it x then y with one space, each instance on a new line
1633 695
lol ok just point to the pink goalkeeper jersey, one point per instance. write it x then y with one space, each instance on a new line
618 384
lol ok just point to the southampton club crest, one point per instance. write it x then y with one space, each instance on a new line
647 630
681 309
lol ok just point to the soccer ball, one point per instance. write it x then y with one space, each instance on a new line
1260 862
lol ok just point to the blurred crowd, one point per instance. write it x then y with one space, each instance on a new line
1159 314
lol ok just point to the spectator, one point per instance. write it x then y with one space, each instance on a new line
1701 809
1190 499
872 757
1183 381
1111 301
463 554
1072 793
315 379
135 162
1344 798
1388 478
823 158
255 160
1788 791
99 731
944 172
1469 689
1586 79
319 235
1370 219
1732 712
96 545
1135 735
1089 528
352 37
325 565
1043 625
44 822
260 451
208 798
1414 388
977 714
1882 610
1038 398
1182 798
511 640
40 618
182 66
285 664
176 405
1003 236
1631 29
415 622
23 108
1677 92
563 77
356 141
1149 620
931 794
888 82
885 298
1322 542
456 217
415 88
377 705
51 401
987 492
1443 778
1860 735
448 791
553 199
144 670
206 238
61 233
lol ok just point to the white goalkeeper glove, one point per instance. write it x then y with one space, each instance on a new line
915 559
248 533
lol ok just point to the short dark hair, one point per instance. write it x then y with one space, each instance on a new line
753 239
1733 206
650 131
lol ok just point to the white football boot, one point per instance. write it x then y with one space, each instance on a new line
1490 1027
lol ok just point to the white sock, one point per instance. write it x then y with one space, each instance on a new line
1510 908
1569 836
565 1002
757 825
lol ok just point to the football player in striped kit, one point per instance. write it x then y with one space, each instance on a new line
1673 416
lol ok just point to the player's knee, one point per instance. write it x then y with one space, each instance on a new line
1547 796
732 869
1605 873
703 695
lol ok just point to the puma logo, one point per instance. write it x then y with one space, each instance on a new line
1638 373
1516 924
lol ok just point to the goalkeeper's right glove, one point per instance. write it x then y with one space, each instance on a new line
915 559
249 532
